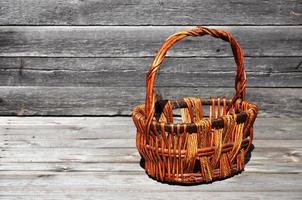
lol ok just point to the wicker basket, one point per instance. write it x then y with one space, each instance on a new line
199 148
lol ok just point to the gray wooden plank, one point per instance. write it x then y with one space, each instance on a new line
57 182
75 141
115 72
108 155
256 165
91 167
265 154
218 195
149 12
78 122
28 141
170 64
273 102
99 130
128 78
78 154
142 41
278 128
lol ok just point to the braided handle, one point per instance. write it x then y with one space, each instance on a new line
240 81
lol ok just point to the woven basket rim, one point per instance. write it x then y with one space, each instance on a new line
240 117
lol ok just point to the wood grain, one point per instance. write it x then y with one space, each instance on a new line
116 72
271 159
100 130
139 181
136 79
170 65
274 102
148 12
136 195
282 156
100 182
257 165
140 41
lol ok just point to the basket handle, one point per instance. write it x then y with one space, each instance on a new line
240 81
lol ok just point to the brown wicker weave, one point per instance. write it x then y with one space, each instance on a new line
200 148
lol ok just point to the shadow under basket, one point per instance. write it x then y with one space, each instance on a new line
180 142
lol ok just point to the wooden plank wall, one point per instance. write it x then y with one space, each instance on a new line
90 57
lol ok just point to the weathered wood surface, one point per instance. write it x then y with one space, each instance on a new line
115 72
135 79
273 102
138 181
134 195
60 158
170 65
102 129
148 12
286 156
141 41
97 60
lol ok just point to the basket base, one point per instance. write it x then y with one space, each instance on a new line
196 178
190 179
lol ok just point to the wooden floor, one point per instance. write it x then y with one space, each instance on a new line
96 158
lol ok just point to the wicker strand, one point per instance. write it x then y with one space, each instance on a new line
240 160
206 169
218 146
197 109
237 140
225 166
187 113
167 114
224 106
180 160
230 123
218 108
191 151
164 144
158 158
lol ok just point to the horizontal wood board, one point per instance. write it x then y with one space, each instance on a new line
149 12
117 72
75 132
140 41
273 102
